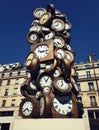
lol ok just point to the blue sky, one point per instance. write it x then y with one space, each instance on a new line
17 16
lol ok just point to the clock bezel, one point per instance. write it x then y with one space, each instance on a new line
35 15
50 45
58 89
39 77
58 29
35 111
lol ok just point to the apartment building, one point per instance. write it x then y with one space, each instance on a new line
11 78
88 86
13 75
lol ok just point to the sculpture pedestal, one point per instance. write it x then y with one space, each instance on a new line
49 124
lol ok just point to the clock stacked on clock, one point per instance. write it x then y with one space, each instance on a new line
50 91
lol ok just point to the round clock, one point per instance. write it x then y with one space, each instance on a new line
66 68
47 90
49 36
32 85
45 19
69 56
57 72
62 106
44 51
2 68
61 86
38 95
32 63
39 12
59 53
75 87
33 37
35 28
45 106
24 86
35 23
48 66
29 108
32 89
58 25
59 42
44 80
41 51
68 47
57 12
68 25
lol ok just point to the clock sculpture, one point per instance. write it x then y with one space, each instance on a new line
50 91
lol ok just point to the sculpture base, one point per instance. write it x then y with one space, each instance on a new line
49 124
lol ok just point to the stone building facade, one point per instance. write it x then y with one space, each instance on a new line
13 75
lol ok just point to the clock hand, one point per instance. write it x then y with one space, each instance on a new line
42 51
46 79
58 42
26 109
61 83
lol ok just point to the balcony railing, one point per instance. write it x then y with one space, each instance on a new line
91 76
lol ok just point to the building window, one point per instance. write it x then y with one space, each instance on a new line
5 126
93 114
8 82
6 113
17 81
97 65
88 74
87 66
2 75
11 74
15 91
18 73
93 102
91 86
6 92
13 102
3 103
79 87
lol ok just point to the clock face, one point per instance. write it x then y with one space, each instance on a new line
69 56
33 85
59 53
68 47
41 51
62 104
45 81
27 108
39 12
36 28
61 85
46 90
57 72
58 42
49 36
2 68
45 18
58 25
